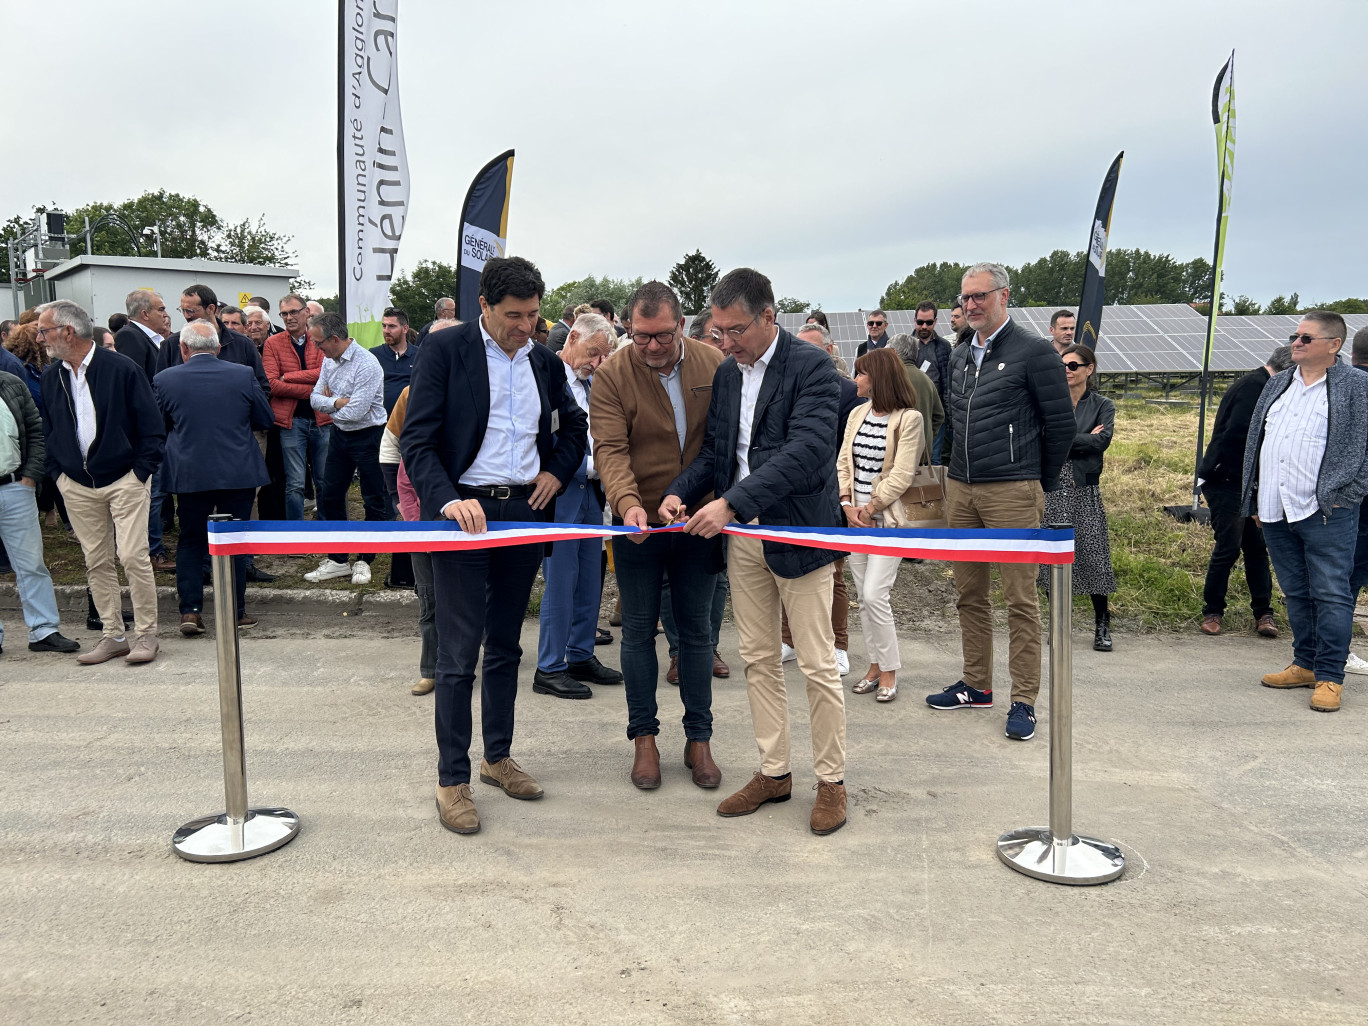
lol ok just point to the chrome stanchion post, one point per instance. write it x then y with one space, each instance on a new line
1056 853
240 832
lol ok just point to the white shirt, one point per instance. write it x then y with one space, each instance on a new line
10 454
152 336
579 388
1293 447
84 403
752 378
508 452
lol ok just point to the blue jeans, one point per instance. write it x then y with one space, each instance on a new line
23 539
303 441
719 606
155 546
1313 559
570 604
640 572
938 443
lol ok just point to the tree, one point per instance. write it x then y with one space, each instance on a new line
1055 280
939 283
1243 306
692 279
1342 306
417 293
1282 305
787 304
616 290
247 243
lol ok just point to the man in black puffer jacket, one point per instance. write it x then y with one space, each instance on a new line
1013 424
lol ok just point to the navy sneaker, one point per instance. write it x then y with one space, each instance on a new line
1021 721
960 696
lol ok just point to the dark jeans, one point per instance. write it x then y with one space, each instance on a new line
1235 534
353 453
1359 578
193 549
155 545
640 572
480 594
718 608
1313 559
427 621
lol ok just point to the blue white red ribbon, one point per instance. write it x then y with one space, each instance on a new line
976 545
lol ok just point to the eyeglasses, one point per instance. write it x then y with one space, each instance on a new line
291 313
875 324
1073 366
977 297
43 332
1303 338
660 338
191 314
735 333
926 324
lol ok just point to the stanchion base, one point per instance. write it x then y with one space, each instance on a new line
1080 861
210 838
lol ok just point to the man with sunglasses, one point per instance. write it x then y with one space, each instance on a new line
877 323
1013 428
933 357
1305 475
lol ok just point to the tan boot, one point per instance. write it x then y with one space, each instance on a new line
829 810
424 686
1326 697
698 757
145 649
1292 677
510 778
759 790
106 650
456 809
646 763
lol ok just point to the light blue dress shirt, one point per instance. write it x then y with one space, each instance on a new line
357 375
508 453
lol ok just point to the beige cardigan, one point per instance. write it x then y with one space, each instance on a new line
903 452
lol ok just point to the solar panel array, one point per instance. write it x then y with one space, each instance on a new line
1155 339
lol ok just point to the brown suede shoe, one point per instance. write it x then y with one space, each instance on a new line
424 686
759 790
1266 628
698 757
1292 677
145 649
720 668
1326 697
191 624
646 763
164 564
1211 624
829 810
509 776
672 674
456 809
106 650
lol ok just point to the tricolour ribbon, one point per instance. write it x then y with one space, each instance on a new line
973 545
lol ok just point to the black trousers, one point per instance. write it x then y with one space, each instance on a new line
481 595
1235 535
401 563
353 453
193 550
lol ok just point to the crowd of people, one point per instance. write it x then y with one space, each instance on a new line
114 430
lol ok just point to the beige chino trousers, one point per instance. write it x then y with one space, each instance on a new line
106 520
758 595
998 504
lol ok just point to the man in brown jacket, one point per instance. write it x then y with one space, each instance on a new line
647 415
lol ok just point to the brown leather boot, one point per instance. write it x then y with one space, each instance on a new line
1293 677
759 790
829 810
1327 696
698 757
646 764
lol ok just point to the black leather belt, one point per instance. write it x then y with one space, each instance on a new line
9 478
494 491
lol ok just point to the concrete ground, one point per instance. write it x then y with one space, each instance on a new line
1241 813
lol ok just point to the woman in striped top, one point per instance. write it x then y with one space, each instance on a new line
883 444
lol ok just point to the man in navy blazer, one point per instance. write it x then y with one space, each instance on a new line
770 458
213 461
492 433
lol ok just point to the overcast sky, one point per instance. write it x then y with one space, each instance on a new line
834 146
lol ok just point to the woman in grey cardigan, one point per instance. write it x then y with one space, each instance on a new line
1078 501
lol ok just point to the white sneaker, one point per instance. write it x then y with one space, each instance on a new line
1355 664
787 654
361 572
327 570
842 661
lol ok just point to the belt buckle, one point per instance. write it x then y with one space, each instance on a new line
501 492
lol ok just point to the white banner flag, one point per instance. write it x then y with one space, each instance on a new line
373 174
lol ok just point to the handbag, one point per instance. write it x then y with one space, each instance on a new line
923 504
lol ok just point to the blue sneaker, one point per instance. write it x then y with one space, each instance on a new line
960 696
1021 721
